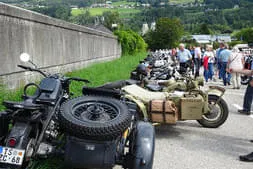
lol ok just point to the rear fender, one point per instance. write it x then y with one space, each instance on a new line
216 90
4 125
20 131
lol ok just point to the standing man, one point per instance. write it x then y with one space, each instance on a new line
184 56
218 59
197 59
248 97
224 56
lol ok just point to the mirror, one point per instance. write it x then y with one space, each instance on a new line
24 57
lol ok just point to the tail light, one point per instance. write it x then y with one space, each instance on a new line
12 142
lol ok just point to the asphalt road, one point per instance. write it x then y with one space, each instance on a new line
187 145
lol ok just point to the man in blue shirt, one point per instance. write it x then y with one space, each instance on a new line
184 56
224 56
219 63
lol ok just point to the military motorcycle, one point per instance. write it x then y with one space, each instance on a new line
87 131
177 99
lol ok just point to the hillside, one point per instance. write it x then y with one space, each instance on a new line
220 16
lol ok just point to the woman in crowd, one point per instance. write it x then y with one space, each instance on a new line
236 61
208 63
211 60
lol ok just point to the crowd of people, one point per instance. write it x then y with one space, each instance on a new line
217 62
229 64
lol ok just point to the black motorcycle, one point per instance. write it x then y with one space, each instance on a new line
87 131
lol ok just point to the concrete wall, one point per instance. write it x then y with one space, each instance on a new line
54 45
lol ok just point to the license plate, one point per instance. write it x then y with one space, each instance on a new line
11 155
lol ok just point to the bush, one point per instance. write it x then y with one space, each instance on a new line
131 42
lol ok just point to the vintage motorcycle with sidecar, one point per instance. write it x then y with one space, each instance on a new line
173 100
87 131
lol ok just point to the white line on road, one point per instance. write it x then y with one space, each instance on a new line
237 106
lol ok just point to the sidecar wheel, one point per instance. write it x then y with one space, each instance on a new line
218 113
95 117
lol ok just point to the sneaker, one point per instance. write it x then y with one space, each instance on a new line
247 158
244 112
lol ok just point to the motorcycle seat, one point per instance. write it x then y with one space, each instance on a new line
143 94
26 105
101 91
155 88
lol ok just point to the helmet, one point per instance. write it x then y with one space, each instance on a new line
141 69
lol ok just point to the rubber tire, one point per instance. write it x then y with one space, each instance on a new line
224 107
94 130
142 146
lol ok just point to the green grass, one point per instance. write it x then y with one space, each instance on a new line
98 74
106 72
122 3
184 1
124 12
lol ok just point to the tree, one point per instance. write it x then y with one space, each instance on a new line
131 42
84 19
204 29
167 34
246 35
111 17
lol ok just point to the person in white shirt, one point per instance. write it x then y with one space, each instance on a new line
197 59
236 61
183 56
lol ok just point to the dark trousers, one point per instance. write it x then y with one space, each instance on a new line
183 68
206 74
248 97
197 64
210 71
225 75
219 64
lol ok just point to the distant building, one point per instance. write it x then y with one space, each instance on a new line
146 5
236 7
162 3
153 26
109 2
202 39
144 29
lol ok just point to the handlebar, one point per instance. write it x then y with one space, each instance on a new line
78 79
32 69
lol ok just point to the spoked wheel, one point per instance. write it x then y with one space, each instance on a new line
95 111
94 117
217 115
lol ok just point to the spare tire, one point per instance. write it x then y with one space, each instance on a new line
94 117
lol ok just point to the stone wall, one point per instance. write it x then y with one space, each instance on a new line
54 45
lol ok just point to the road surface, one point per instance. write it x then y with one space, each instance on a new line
187 145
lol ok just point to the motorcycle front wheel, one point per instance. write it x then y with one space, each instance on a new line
218 113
